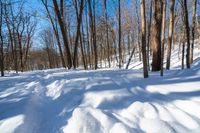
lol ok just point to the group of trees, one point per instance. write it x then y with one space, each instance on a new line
16 31
105 33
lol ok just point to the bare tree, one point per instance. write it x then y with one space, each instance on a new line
93 31
163 36
119 34
63 31
45 3
193 28
156 35
78 31
143 19
170 33
1 40
187 31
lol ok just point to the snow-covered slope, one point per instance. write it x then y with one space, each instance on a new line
102 101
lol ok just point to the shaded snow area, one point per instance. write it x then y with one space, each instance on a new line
102 101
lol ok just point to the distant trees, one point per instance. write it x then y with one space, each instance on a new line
93 34
16 32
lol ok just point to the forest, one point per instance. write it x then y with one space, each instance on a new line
96 34
100 66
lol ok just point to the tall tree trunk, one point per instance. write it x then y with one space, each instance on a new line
55 32
107 37
163 37
1 41
193 29
79 21
93 31
143 26
156 35
170 33
187 31
64 33
149 35
119 34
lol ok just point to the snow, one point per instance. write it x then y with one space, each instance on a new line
102 101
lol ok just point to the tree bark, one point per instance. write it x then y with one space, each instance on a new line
143 26
187 31
119 34
163 37
156 35
193 29
79 21
170 33
64 33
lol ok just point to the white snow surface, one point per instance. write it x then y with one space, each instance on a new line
102 101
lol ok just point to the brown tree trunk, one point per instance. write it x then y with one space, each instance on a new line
170 33
156 35
163 36
193 29
143 26
93 31
79 21
55 32
64 33
187 32
1 41
149 35
107 37
119 34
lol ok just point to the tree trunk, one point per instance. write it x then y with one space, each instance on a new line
163 37
93 32
107 37
79 21
56 33
149 35
170 33
64 34
143 26
156 35
193 29
119 34
187 31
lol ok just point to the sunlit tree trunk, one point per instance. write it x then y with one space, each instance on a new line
163 36
170 33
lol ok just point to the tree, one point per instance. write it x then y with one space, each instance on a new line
163 36
119 34
93 31
63 31
1 40
193 28
78 31
187 32
45 3
170 33
143 26
156 35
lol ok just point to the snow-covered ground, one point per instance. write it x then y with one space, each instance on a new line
102 101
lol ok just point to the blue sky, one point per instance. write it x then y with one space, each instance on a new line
36 5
